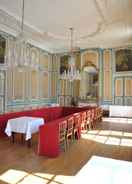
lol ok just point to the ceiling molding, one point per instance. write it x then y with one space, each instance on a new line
11 25
101 24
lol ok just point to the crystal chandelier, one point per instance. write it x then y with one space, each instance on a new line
22 55
21 44
71 73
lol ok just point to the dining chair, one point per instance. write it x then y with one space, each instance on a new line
62 134
83 121
89 120
69 134
77 126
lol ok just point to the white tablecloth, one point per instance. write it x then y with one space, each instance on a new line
120 111
26 125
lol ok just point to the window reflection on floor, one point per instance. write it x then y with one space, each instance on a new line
109 137
118 120
13 176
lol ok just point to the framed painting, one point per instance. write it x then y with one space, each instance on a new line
2 49
124 60
63 64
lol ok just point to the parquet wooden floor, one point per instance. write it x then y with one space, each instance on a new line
20 164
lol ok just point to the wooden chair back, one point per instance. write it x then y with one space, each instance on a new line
62 130
70 124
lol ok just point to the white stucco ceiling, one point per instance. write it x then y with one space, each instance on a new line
97 23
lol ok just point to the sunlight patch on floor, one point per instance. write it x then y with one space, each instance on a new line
44 175
127 134
12 176
88 136
104 132
63 179
126 142
109 137
117 120
113 141
101 139
31 179
117 133
96 170
105 171
130 121
93 132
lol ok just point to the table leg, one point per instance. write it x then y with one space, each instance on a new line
29 143
22 138
13 137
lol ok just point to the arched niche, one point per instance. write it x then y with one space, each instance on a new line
89 57
89 78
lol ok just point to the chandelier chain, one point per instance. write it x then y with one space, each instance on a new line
23 16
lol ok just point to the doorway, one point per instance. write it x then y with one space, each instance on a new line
89 84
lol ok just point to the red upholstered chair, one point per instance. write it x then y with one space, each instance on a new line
62 133
69 134
84 120
77 126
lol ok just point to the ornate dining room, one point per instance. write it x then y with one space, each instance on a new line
65 91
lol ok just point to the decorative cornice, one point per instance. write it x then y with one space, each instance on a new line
11 25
